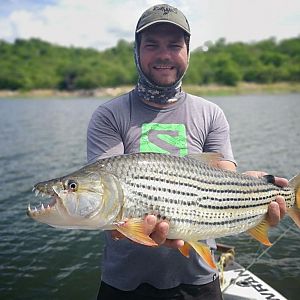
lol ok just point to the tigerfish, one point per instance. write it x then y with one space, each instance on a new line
197 199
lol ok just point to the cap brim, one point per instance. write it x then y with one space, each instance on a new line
162 21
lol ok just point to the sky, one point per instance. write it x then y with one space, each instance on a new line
100 24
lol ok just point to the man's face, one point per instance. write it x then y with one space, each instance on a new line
163 54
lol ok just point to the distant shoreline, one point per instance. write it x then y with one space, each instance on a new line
243 88
203 90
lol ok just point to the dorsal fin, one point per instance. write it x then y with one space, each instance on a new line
210 158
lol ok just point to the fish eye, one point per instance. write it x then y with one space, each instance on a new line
72 185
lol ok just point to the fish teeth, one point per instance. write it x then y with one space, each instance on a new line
41 208
39 193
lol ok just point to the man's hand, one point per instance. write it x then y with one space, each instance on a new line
158 231
277 209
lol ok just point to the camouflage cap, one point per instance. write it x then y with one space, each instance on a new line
163 13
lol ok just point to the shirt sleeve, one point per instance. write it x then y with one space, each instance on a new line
103 135
218 138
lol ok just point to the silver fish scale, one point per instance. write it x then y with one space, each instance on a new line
199 201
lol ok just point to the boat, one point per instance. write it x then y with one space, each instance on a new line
238 283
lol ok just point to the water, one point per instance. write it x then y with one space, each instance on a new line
41 139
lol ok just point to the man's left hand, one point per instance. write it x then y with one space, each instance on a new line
277 208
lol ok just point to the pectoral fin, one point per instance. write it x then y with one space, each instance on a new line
260 233
134 230
204 251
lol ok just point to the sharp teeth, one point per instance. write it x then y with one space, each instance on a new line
39 193
35 209
48 206
43 208
28 207
56 190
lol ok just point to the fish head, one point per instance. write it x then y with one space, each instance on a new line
84 199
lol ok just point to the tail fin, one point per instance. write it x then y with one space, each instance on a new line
294 212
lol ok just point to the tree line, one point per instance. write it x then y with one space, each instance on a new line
36 64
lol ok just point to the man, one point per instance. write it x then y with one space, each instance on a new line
157 116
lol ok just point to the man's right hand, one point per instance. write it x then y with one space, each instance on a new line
157 230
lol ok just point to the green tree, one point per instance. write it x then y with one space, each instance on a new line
36 64
226 70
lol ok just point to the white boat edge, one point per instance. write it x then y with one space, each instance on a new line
247 286
240 284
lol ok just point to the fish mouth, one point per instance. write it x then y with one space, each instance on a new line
41 208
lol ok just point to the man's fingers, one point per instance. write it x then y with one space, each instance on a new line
282 182
149 224
159 235
282 206
159 231
273 216
256 174
276 211
174 243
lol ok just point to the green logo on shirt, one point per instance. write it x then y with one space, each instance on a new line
164 138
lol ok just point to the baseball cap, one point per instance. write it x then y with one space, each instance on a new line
163 13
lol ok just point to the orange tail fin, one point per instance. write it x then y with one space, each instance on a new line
294 212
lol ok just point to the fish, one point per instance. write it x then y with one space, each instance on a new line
197 199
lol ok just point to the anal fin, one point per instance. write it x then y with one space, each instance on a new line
185 250
204 251
260 233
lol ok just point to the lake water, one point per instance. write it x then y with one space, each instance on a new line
41 139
